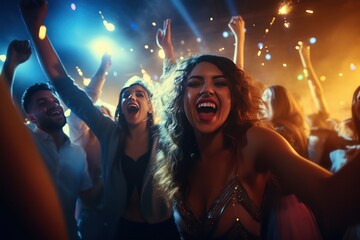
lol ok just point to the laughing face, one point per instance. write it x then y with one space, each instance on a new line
135 105
46 112
207 99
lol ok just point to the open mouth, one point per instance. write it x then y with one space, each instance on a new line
206 107
55 112
132 108
206 110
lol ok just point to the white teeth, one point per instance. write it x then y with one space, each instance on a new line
55 112
206 104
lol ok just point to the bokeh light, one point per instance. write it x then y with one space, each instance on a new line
312 40
161 54
73 6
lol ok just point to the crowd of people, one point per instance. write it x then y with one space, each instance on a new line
219 156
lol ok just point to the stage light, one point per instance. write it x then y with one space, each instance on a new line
352 67
161 54
312 40
73 6
103 45
42 32
109 26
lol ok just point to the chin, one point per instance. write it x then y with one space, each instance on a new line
206 129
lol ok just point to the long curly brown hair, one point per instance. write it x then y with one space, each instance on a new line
178 153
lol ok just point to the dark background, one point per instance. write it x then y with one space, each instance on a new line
335 24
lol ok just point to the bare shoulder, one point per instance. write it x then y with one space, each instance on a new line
260 133
263 139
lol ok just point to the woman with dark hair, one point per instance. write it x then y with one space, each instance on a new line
216 161
133 208
287 117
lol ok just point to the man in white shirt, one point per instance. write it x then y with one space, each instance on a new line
66 162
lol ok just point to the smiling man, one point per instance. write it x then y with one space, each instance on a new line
65 161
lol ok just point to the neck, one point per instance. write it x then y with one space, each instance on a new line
58 135
210 144
138 130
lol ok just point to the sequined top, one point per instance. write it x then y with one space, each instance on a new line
197 229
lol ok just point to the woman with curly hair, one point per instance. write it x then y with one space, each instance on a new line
216 160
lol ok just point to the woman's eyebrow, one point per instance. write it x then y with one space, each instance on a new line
139 91
196 76
219 76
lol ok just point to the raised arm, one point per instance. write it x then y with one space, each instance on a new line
33 15
79 131
94 89
316 90
163 40
18 52
237 26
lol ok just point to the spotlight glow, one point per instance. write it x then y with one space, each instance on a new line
103 45
161 54
225 34
312 40
67 112
352 67
268 56
73 6
42 32
86 81
109 26
285 8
